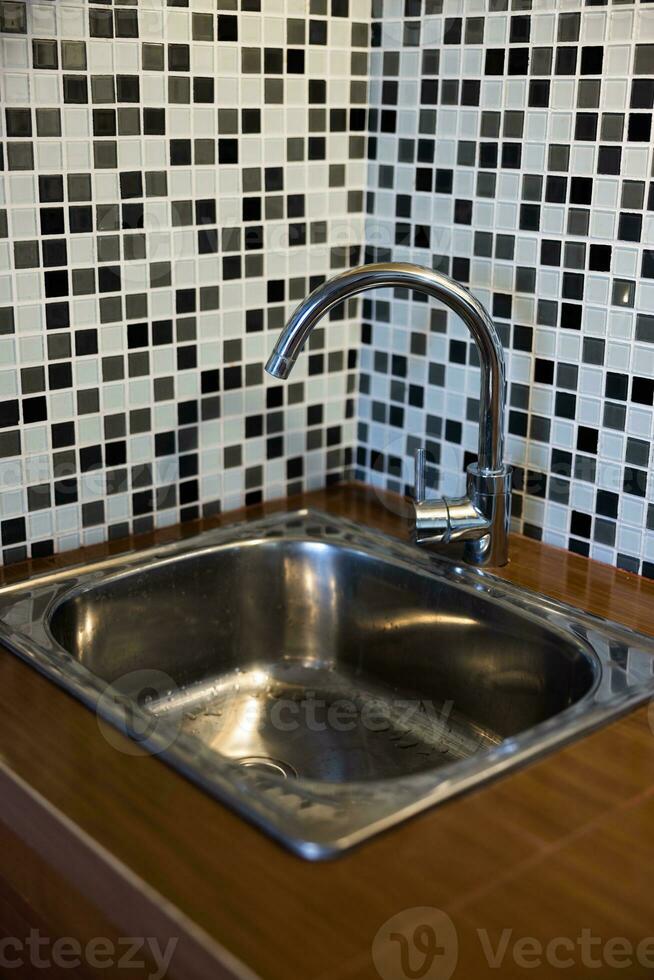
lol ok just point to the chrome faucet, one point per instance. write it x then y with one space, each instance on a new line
480 519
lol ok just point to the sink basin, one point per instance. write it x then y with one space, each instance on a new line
324 679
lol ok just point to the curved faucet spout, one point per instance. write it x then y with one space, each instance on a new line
422 280
480 519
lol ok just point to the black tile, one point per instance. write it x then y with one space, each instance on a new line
13 18
76 89
126 23
18 122
127 88
566 61
592 60
600 258
642 391
609 160
630 227
101 23
640 127
494 61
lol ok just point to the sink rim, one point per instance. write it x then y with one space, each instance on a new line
232 784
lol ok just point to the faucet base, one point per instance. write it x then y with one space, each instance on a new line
479 520
491 494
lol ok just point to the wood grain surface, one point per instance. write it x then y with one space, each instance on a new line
563 846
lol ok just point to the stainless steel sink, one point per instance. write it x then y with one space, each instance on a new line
325 680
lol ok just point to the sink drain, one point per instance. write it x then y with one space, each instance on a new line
268 766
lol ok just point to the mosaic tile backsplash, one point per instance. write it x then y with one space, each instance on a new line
511 147
175 177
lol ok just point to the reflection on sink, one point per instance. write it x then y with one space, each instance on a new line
324 679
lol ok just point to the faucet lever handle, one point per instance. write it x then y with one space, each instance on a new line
419 492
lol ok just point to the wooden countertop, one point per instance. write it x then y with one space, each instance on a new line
96 842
